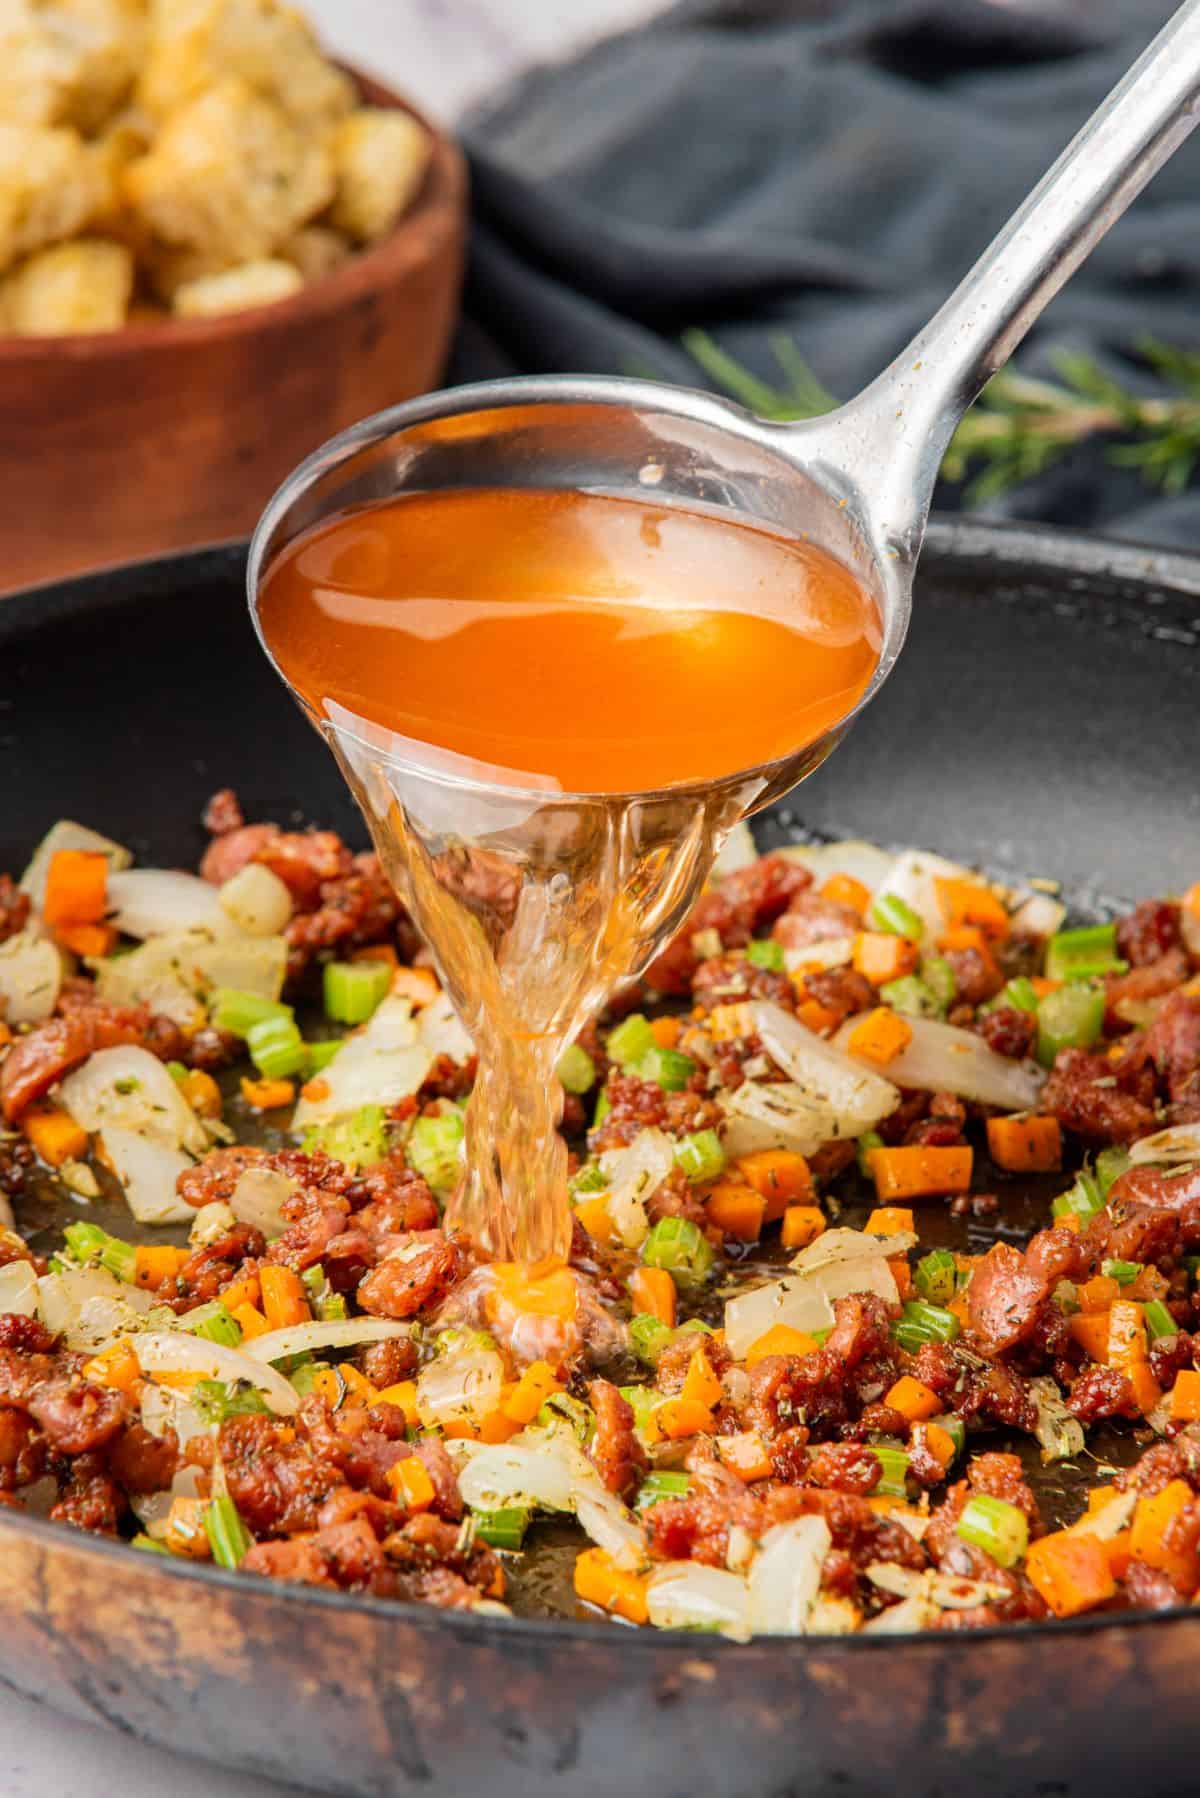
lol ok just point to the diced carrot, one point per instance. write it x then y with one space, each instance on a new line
1148 1531
938 1441
1117 1550
497 1426
184 1533
357 1384
1185 1396
538 1383
902 1275
268 1095
1071 1573
969 902
316 1090
593 1214
1090 1330
6 1034
1126 1334
377 952
964 936
525 1289
327 1385
653 1292
782 1177
1099 1497
889 1220
780 1339
1072 1221
418 985
879 956
155 1262
1146 1389
117 1367
1150 1284
913 1399
599 1581
736 1209
700 1384
284 1300
920 1171
1042 985
252 1321
679 1417
802 1224
728 1022
1191 900
959 1308
404 1396
245 1290
745 1454
843 889
87 939
410 1481
201 1092
54 1134
816 1017
1025 1145
880 1036
1098 1293
76 888
666 1031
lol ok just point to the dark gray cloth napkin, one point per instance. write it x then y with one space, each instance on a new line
827 168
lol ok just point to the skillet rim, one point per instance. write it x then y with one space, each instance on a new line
1023 547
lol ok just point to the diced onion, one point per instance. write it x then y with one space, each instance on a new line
18 1289
633 1173
848 1249
864 862
825 1074
130 1089
380 1064
912 878
941 1058
147 902
459 1388
1170 1148
1038 916
256 900
737 851
148 1171
152 1509
778 1116
786 1576
210 1223
909 1617
67 835
176 1351
311 1339
804 1301
258 1199
439 1029
830 952
89 1306
1111 1518
31 973
1060 1433
172 973
510 1474
689 1595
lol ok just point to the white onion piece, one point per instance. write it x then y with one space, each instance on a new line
31 973
171 973
343 1332
459 1388
1110 1519
380 1064
256 900
828 1076
439 1029
258 1199
833 1616
1039 916
779 1116
909 1617
176 1351
1171 1148
67 835
18 1289
633 1173
88 1306
148 1171
152 1509
737 851
511 1474
786 1576
942 1058
912 878
210 1223
165 1407
804 1300
164 902
127 1088
689 1595
830 952
847 1249
864 862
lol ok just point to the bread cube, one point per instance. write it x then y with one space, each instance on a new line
68 62
229 176
50 186
316 251
80 286
251 284
379 158
195 43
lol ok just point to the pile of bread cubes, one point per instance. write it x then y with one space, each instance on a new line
181 157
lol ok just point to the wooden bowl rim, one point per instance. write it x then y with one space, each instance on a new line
416 238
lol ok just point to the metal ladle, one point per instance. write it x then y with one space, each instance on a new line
535 902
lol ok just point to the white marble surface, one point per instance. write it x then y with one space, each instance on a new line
445 53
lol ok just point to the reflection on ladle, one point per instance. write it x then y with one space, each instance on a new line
537 901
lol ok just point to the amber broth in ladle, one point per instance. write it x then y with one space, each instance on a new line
567 643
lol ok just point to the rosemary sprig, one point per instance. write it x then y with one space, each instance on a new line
1020 425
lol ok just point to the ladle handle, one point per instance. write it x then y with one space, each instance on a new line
897 431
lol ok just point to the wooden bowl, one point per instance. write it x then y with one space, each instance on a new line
161 436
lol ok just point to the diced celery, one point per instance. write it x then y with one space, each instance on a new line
353 990
357 1140
434 1149
630 1040
576 1070
700 1155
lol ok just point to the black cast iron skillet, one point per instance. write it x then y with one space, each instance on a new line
1041 720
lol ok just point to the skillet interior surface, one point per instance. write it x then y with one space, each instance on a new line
1040 723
